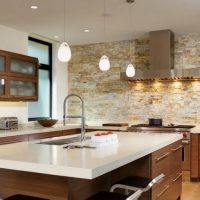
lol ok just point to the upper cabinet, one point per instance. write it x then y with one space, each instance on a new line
18 77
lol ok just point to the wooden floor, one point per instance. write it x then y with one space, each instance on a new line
191 191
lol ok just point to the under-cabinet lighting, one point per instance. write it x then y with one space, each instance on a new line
2 81
86 30
34 7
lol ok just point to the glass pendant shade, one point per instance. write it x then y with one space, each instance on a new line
130 70
104 63
64 52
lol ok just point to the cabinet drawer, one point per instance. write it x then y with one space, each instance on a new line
160 162
161 192
175 157
175 185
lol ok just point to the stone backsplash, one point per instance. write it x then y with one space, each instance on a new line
109 99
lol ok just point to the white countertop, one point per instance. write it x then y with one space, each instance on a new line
195 130
82 163
58 127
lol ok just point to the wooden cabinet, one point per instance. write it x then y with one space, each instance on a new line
37 136
195 157
18 77
13 139
168 161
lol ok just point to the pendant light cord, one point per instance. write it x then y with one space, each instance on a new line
104 24
130 23
64 20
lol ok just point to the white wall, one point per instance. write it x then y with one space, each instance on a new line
60 84
14 41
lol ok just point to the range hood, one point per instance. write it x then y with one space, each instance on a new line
161 55
162 60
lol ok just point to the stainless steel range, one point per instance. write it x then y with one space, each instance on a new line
181 129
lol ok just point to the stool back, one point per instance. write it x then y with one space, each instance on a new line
135 195
156 180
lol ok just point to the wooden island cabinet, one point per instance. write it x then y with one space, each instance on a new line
168 161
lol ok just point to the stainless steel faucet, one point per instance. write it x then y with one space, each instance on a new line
82 117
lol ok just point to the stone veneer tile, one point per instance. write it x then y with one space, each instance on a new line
109 99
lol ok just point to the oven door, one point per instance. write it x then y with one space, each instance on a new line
186 155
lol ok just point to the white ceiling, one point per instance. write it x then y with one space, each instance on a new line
182 16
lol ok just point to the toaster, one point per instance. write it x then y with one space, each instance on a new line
8 123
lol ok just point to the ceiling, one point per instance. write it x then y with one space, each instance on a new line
182 16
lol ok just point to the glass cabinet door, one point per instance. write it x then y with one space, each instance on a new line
22 88
2 64
2 87
23 67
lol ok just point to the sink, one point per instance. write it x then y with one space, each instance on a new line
64 141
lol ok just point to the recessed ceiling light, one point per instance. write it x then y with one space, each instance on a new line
86 30
34 7
56 36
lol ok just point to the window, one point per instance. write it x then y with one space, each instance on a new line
43 107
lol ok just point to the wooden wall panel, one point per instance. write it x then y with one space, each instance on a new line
194 158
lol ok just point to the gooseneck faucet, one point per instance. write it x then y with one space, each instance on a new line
82 117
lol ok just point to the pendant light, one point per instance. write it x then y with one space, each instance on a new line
104 63
130 70
64 51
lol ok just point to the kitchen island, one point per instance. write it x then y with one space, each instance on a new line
56 173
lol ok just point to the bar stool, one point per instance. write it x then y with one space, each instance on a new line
115 196
134 183
23 197
131 183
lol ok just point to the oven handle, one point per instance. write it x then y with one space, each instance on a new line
185 141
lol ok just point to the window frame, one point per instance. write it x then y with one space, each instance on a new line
47 68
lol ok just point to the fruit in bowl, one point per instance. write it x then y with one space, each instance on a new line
47 122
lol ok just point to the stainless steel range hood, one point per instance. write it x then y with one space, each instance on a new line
162 61
161 58
161 54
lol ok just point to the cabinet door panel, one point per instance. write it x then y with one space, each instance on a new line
22 88
23 67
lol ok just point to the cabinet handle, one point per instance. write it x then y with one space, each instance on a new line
163 191
179 176
185 142
176 149
162 157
